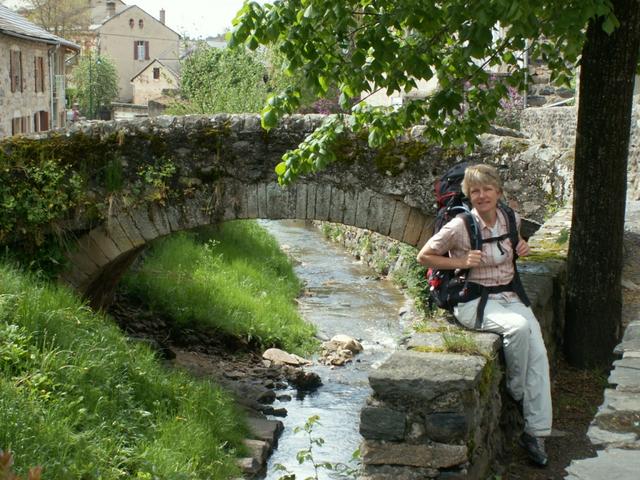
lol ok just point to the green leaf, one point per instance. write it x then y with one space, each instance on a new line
269 119
281 168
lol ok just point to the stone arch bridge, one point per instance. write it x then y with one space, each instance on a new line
153 177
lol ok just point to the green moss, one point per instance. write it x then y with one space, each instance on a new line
487 377
394 157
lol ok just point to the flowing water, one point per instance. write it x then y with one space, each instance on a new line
344 298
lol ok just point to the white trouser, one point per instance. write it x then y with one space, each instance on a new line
525 355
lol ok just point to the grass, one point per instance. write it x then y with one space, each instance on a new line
234 279
82 402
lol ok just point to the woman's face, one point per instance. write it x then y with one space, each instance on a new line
484 198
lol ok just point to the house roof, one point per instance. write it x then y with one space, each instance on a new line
155 60
121 12
17 26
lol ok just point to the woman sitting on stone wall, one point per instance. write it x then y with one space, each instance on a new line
492 269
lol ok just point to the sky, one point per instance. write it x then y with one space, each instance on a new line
197 18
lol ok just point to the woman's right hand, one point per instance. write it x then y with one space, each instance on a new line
473 259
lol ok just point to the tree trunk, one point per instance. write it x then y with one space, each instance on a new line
594 294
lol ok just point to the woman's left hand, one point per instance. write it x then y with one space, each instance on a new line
522 249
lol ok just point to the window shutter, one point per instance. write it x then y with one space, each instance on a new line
22 82
135 50
146 50
35 74
12 71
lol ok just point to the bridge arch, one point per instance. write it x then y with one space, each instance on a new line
103 254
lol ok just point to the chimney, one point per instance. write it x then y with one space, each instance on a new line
111 9
162 12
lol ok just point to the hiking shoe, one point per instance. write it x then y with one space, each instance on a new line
535 449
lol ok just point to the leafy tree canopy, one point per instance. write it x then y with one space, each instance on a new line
363 46
96 81
223 80
233 80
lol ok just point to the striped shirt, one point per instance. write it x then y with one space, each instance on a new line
497 266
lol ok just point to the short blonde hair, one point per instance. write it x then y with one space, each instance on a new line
481 174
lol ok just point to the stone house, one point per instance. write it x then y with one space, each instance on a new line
32 76
131 38
154 79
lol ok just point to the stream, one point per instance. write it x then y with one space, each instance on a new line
345 297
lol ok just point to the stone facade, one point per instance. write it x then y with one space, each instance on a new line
118 37
152 80
37 103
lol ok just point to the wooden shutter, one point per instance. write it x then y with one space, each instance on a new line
135 50
44 121
39 74
146 50
22 82
12 69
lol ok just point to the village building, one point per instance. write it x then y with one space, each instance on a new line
133 39
154 80
32 76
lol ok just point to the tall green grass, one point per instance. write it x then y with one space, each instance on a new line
235 279
80 400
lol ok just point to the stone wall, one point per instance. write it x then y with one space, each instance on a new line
557 127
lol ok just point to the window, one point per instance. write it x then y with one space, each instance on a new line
41 121
131 22
20 125
140 23
15 70
140 50
156 73
39 73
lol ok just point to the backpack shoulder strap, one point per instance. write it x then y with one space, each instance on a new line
512 226
475 239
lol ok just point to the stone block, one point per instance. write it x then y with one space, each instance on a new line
301 201
434 455
399 221
117 234
262 200
612 463
252 201
350 205
105 243
415 224
323 202
336 209
626 374
89 246
379 423
362 208
446 427
277 202
311 201
144 225
380 214
424 376
158 217
130 229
